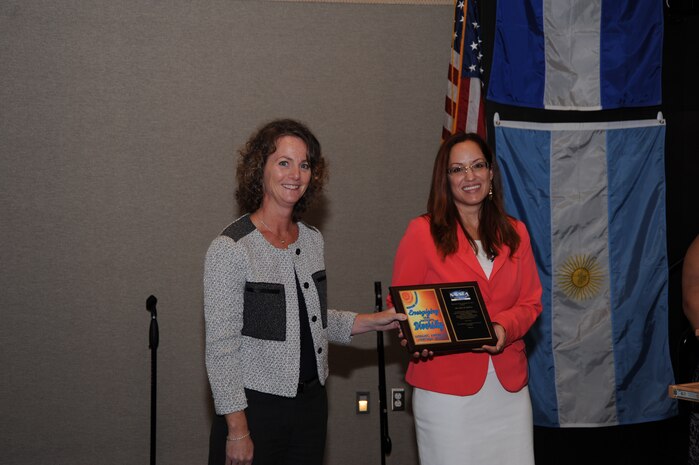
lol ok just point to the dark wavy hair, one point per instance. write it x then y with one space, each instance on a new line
495 225
253 157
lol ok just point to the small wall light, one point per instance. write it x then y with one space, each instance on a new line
362 402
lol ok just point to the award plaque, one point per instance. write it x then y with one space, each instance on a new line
443 318
686 391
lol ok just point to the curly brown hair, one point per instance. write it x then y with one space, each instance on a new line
253 157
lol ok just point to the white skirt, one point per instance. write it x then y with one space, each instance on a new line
493 426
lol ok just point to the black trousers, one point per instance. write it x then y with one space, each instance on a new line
284 431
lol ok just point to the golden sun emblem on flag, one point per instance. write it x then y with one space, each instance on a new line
580 277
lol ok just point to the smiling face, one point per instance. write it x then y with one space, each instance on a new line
287 173
469 188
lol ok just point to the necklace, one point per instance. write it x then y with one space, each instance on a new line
271 232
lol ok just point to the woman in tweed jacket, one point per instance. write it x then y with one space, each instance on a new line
265 304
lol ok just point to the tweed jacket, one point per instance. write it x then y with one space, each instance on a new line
512 296
251 313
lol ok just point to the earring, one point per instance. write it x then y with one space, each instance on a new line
490 193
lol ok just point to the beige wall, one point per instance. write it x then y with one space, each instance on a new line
119 122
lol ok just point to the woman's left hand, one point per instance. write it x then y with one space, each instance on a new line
380 321
500 344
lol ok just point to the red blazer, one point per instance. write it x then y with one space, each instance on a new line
512 296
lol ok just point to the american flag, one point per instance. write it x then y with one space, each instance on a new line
464 102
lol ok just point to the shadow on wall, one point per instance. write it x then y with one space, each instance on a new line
317 213
344 360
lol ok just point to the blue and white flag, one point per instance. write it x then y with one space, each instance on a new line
593 198
577 54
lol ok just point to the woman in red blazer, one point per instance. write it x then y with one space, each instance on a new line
473 407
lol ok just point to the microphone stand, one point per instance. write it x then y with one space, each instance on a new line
385 438
153 337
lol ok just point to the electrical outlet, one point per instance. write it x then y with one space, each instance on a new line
397 399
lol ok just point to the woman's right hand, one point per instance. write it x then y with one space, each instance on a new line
424 355
239 446
239 452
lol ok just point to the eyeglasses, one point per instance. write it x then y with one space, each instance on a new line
476 168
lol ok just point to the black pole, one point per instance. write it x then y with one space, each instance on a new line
385 438
153 337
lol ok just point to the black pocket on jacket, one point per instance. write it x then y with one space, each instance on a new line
321 283
264 311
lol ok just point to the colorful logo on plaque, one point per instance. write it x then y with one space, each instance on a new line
460 294
425 317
